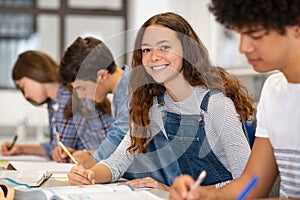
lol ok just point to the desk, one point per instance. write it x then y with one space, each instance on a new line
53 182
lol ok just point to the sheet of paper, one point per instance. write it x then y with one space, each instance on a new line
50 166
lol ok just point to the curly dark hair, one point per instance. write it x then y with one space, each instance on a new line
271 14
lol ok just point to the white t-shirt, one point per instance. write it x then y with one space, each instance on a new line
278 118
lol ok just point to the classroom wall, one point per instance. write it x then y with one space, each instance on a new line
14 107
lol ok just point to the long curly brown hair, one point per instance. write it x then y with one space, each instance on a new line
197 70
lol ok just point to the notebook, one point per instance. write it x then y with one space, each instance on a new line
24 177
87 192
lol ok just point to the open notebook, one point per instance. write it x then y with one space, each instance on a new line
23 178
89 192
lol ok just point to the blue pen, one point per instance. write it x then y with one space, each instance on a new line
248 188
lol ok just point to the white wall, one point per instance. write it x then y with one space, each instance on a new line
194 11
14 108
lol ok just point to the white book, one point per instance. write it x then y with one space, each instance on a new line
86 192
23 178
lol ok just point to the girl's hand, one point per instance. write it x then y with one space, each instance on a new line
147 182
80 176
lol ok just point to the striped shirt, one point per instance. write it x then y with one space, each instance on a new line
223 129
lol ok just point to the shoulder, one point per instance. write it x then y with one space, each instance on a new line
273 85
126 72
63 92
63 96
275 79
221 104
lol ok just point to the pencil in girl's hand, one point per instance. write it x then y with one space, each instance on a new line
67 152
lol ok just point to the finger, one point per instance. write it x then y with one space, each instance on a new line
5 146
182 185
76 178
195 194
91 176
144 182
10 193
174 195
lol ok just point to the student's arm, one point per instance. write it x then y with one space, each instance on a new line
120 160
97 174
85 158
115 134
25 149
107 170
111 142
261 163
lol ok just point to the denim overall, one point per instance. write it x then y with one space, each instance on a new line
186 151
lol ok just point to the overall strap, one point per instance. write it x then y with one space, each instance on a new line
160 100
204 106
205 100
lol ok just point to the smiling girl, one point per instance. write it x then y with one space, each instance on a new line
184 116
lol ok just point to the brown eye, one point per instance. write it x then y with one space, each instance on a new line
165 47
146 50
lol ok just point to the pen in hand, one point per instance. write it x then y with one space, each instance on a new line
13 143
68 152
199 180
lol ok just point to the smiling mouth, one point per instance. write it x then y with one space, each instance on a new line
160 67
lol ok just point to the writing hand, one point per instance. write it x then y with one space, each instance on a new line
181 189
59 155
15 150
147 182
80 176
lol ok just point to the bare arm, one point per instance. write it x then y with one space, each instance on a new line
261 163
25 149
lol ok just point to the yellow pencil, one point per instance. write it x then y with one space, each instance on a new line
67 152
